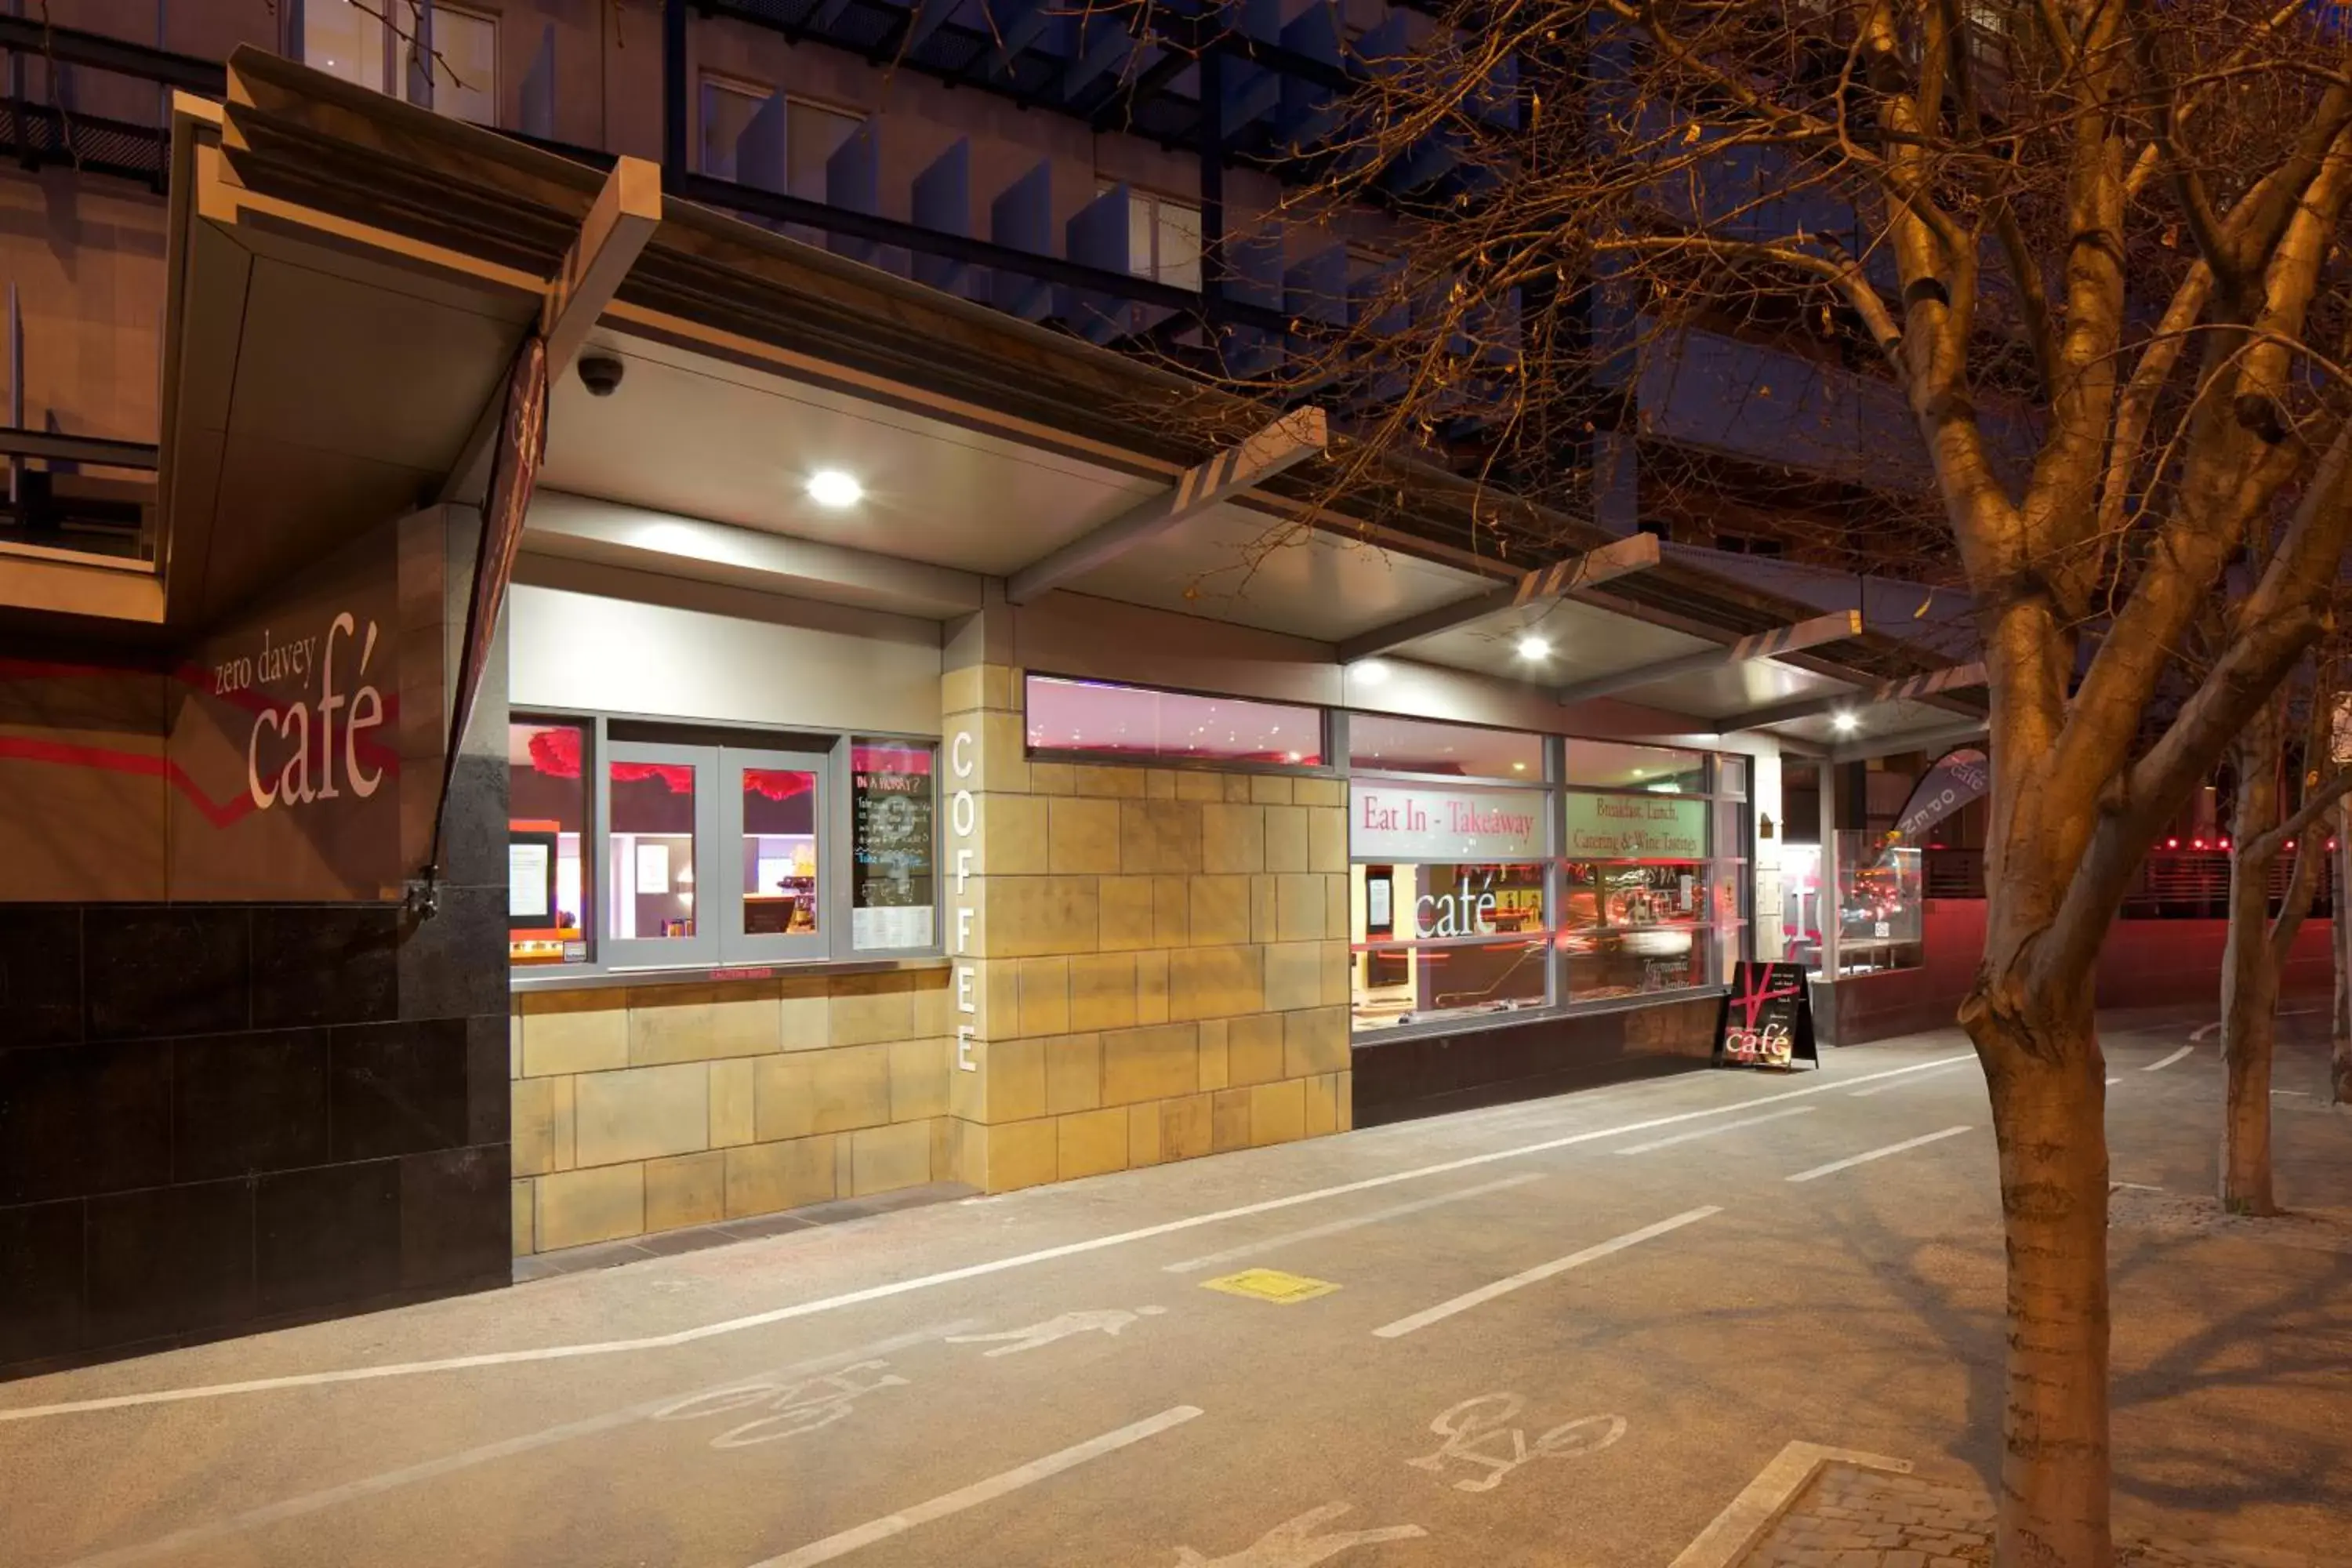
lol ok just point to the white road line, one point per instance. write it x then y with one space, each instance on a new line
927 1281
1836 1166
1316 1233
2199 1033
1711 1132
979 1492
1541 1272
1881 1089
431 1470
2159 1065
2113 1081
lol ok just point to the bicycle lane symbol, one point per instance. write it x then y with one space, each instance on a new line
793 1408
1478 1431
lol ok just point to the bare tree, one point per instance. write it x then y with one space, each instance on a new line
2255 952
2092 245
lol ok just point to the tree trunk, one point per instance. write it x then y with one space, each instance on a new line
2048 1082
2340 1057
2250 973
2249 990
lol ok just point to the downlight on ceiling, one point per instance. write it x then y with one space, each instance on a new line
1533 648
832 487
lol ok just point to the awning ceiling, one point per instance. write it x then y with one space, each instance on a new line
335 334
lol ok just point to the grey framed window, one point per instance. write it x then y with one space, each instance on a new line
661 815
769 899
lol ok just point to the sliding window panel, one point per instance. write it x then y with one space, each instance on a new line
663 860
775 842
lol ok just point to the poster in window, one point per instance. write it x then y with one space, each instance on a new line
530 872
892 892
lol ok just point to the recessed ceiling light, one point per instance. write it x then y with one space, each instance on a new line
1845 724
1532 647
831 487
1371 672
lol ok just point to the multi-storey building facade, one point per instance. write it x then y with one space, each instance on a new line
871 747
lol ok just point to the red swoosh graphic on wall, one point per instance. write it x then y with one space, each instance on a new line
220 814
142 763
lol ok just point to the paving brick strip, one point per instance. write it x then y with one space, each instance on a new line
1851 1518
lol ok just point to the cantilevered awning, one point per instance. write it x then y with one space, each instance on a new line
349 277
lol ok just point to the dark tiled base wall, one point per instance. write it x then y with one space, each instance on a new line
218 1117
1397 1080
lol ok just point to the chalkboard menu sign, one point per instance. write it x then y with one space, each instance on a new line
1767 1019
892 890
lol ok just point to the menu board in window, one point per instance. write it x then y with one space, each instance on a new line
892 892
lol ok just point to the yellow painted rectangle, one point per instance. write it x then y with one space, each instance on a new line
1271 1285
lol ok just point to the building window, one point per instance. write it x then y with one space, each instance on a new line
1448 910
728 109
638 853
812 134
1378 743
348 40
1462 893
1637 898
1141 723
547 804
755 136
893 845
464 65
1658 769
1164 238
654 841
776 839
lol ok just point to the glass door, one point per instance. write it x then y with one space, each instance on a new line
772 810
662 808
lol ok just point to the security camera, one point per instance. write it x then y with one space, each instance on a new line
600 373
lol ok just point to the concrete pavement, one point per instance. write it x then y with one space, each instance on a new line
1566 1333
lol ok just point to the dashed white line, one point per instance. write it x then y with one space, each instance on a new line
979 1492
926 1281
2199 1033
1539 1273
1722 1127
1904 1083
2111 1082
2164 1062
1863 1159
1316 1233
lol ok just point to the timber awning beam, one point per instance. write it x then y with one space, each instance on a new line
1635 553
612 234
1289 440
1781 640
1912 689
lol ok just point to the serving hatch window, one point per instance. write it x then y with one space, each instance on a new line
634 844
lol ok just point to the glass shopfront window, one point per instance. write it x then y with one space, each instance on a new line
1656 770
1449 901
1138 723
1470 898
635 852
1380 743
1638 893
546 828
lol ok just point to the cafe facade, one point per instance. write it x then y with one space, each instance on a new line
649 724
